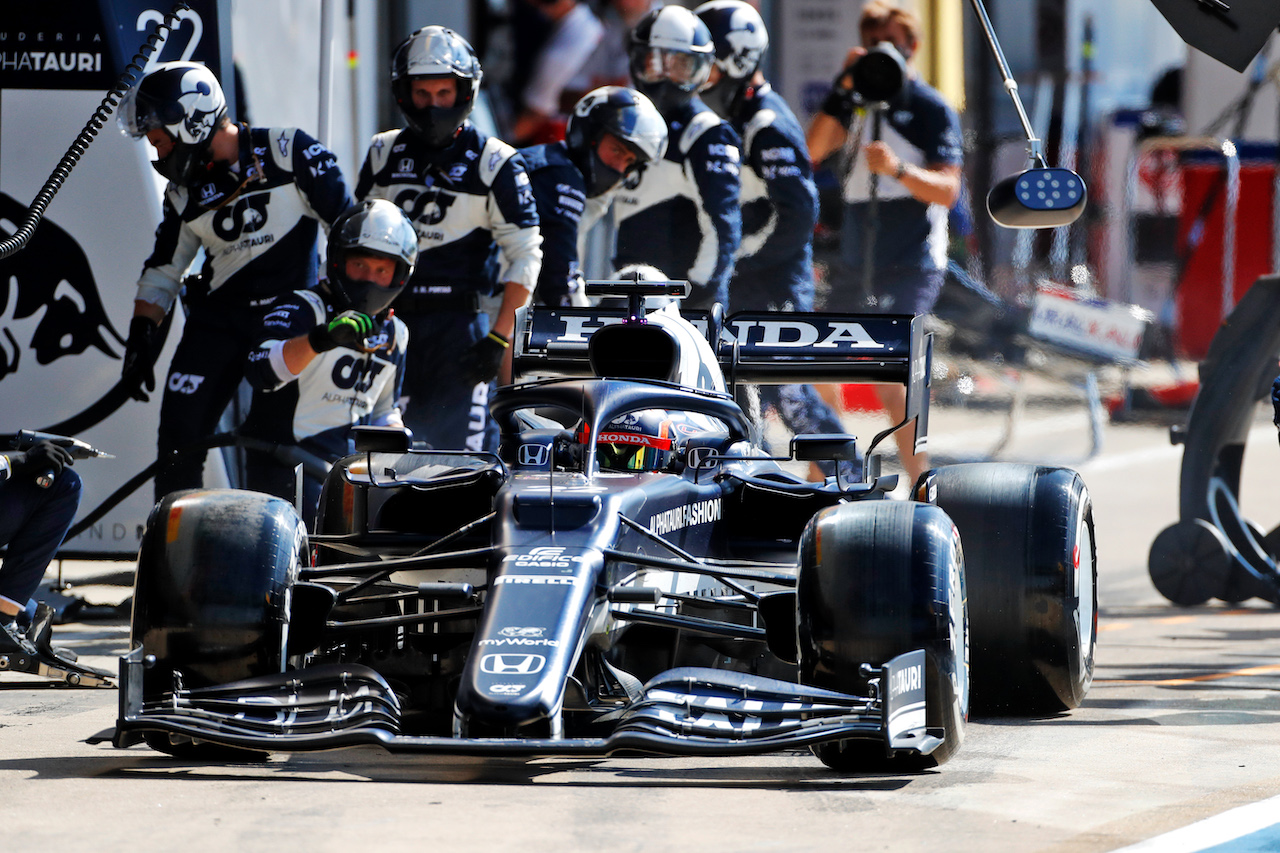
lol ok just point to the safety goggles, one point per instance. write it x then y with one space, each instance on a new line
656 64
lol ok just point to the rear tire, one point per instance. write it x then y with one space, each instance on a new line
1031 567
211 598
879 579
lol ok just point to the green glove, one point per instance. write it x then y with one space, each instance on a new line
348 329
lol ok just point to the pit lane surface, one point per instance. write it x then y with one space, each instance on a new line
1182 725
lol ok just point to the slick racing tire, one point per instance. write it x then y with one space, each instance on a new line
879 579
211 598
1031 568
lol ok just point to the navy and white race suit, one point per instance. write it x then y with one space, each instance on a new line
774 266
473 209
316 408
258 245
565 215
774 263
681 214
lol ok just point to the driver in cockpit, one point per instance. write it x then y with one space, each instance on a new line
653 439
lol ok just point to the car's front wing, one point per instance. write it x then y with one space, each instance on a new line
686 711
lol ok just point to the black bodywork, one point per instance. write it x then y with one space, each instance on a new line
529 602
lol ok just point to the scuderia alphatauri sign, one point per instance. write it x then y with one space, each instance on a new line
87 45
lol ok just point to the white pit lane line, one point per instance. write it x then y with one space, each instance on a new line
1249 829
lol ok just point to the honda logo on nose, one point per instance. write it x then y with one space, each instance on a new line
512 664
534 455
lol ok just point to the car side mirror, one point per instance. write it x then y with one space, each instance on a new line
823 448
1039 197
380 439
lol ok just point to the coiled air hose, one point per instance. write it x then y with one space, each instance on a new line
68 162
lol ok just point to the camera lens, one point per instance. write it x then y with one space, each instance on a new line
879 74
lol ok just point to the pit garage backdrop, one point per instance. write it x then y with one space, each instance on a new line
67 297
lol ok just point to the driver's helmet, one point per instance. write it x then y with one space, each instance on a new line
651 439
435 52
740 39
625 114
185 101
375 227
637 441
670 55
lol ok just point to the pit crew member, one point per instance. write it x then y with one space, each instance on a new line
332 356
773 269
253 199
464 192
681 215
34 519
612 132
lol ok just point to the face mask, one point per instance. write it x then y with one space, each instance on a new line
601 177
368 298
185 165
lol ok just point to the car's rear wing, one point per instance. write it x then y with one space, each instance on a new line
754 347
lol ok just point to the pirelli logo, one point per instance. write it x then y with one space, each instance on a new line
688 515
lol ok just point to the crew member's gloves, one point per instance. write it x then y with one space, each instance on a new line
140 357
42 457
348 329
480 363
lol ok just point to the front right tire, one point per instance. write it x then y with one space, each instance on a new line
879 579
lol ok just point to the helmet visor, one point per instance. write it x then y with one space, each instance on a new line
435 52
619 450
140 112
656 64
379 229
643 131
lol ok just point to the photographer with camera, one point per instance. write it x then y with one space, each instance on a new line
902 174
39 496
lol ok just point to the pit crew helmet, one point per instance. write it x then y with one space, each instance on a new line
185 101
435 52
623 113
740 38
636 442
671 55
376 227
